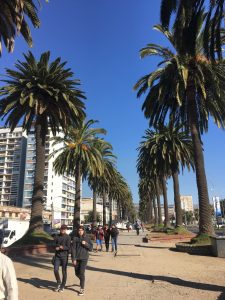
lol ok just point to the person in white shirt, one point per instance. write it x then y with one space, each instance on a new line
8 281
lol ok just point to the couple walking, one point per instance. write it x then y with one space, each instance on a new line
81 245
105 234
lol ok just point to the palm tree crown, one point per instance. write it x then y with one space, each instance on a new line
13 22
43 90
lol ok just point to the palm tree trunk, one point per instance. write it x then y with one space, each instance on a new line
36 221
104 207
110 211
166 212
76 215
155 213
150 210
205 218
158 203
94 221
177 203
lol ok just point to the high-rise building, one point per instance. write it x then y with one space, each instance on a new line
17 167
12 162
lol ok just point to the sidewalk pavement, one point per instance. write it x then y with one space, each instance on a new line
138 272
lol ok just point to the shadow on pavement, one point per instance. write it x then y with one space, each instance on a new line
46 284
39 283
152 247
171 280
43 262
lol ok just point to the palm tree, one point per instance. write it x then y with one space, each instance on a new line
78 157
119 192
43 96
188 88
105 150
13 21
147 187
169 148
186 18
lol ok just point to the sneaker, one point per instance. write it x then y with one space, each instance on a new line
61 290
81 292
57 288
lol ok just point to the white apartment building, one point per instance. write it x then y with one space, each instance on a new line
187 203
17 166
12 161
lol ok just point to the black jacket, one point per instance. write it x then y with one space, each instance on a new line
65 241
79 251
114 232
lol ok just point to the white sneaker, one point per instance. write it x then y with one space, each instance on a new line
81 292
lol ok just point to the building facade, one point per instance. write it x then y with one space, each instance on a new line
12 162
87 206
17 167
187 203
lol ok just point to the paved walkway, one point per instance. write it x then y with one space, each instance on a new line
139 272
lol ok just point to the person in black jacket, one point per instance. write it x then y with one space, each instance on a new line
114 232
106 236
62 247
80 253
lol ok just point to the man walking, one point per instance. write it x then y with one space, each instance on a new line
62 247
114 232
106 236
80 253
8 282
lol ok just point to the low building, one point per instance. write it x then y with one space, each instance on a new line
187 203
21 213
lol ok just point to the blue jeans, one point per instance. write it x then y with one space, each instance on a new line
114 243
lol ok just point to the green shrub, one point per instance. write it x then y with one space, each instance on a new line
34 238
201 239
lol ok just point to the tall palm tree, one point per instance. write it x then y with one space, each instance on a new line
189 88
147 187
186 18
78 157
13 21
119 192
43 96
105 150
170 148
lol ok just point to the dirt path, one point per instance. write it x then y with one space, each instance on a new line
139 271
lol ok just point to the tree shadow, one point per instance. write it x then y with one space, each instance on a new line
171 280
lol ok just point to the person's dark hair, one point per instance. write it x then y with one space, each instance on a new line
81 227
63 227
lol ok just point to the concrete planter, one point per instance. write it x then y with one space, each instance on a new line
194 249
218 245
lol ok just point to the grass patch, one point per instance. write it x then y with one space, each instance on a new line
178 230
159 228
34 238
201 239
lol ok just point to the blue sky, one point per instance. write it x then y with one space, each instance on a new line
101 39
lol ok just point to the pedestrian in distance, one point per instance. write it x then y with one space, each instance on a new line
128 227
62 247
8 282
137 227
114 232
106 236
81 246
99 237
